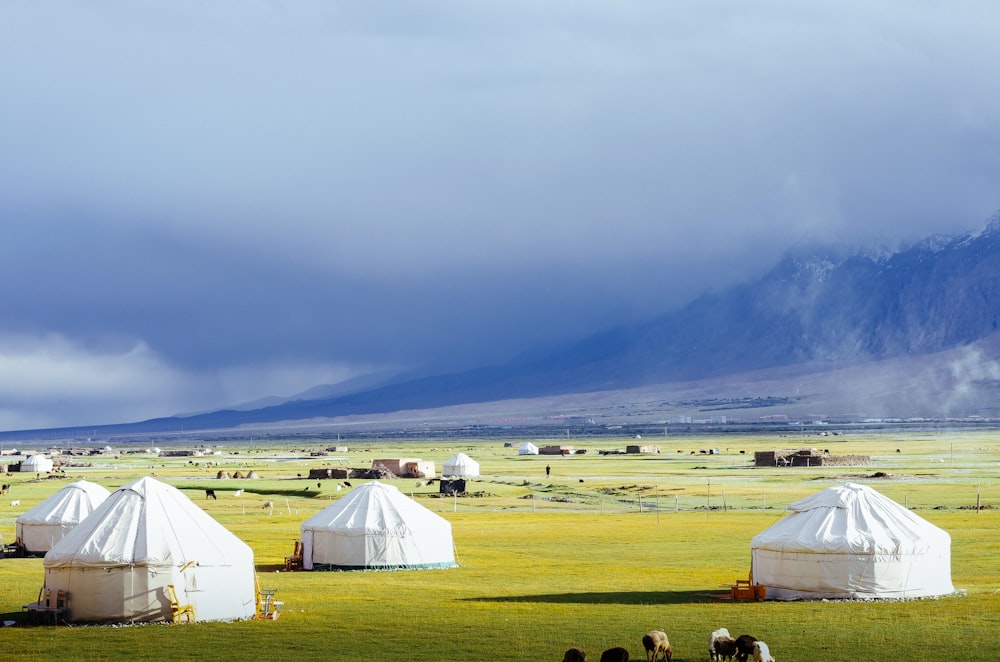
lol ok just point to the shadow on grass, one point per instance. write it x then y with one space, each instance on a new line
250 492
613 598
19 617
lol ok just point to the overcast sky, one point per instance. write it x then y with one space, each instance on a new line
204 203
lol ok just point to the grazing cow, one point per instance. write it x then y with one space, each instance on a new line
268 505
725 649
346 484
744 646
3 490
761 653
210 494
717 634
575 655
615 655
655 643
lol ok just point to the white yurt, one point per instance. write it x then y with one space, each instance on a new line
460 465
851 542
527 448
36 464
376 527
47 523
116 564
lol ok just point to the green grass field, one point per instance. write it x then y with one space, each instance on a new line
545 563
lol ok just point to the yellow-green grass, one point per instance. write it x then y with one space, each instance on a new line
537 576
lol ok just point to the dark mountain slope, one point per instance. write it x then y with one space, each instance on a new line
810 310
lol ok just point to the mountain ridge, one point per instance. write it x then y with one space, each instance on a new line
813 310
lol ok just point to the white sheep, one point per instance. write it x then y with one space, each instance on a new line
15 502
761 653
721 632
656 642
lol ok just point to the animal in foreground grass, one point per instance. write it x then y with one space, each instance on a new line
575 655
725 648
656 643
721 632
268 505
744 647
761 652
614 655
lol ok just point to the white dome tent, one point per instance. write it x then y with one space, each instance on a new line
37 464
47 523
851 542
116 565
460 465
527 448
376 527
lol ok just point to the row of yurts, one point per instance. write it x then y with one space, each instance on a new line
116 556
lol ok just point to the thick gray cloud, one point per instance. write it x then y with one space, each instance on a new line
209 202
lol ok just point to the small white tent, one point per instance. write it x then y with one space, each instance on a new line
851 542
116 564
376 527
47 523
460 465
36 464
527 448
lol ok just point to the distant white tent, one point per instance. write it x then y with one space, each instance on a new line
851 542
116 564
460 465
527 448
36 464
47 523
376 527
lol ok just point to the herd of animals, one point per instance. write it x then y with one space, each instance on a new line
722 647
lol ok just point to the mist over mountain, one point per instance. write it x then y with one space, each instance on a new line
818 312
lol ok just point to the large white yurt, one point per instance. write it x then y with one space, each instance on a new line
36 464
527 448
47 523
116 564
460 465
376 527
851 542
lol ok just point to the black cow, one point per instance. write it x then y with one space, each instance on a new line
210 494
744 647
615 655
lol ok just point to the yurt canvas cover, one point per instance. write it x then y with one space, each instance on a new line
38 464
47 523
376 527
527 448
851 542
460 465
117 563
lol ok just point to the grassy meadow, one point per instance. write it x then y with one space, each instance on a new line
603 549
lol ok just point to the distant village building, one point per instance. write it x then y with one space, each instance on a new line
405 467
644 449
809 457
556 450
